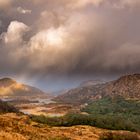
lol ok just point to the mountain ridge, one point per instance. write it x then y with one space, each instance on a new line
9 87
127 86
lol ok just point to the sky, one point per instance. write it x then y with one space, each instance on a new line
56 44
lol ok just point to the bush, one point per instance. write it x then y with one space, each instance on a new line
59 138
113 136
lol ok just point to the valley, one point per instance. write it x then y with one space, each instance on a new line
41 105
32 101
109 109
69 69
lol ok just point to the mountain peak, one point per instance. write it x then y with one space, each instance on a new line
131 76
7 81
128 79
9 87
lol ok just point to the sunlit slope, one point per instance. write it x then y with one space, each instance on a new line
9 87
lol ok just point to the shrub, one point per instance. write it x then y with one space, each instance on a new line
113 136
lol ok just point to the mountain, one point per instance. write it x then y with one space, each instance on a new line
127 86
60 92
91 83
9 87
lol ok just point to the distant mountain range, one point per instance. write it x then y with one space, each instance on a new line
91 83
9 87
127 86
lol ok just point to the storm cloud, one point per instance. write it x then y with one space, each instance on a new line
40 38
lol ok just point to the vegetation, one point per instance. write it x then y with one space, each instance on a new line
113 136
115 114
116 105
59 138
7 108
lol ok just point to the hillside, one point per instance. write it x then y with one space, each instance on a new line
6 108
9 87
13 127
116 113
126 86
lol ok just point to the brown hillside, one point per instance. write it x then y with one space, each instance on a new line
9 87
126 86
13 127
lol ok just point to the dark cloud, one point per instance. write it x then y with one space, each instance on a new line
65 38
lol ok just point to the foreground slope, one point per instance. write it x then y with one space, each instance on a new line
9 87
22 128
127 87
